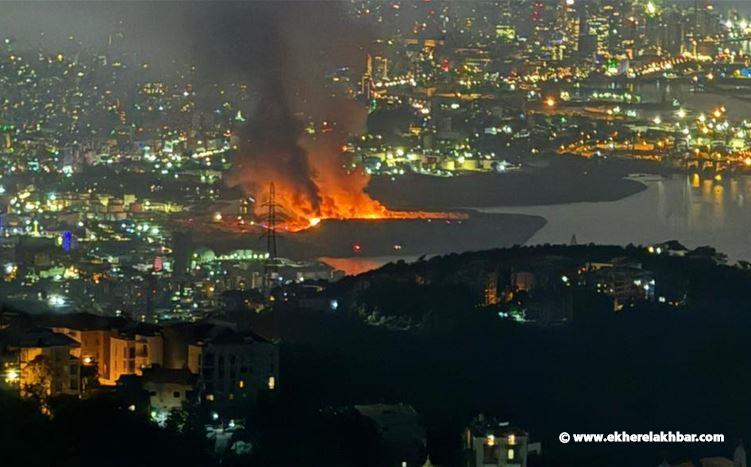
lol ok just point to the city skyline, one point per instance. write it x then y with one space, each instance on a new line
375 232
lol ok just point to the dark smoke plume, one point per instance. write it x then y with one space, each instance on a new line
284 49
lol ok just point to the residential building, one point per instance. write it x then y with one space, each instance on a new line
44 364
230 364
168 389
132 350
491 443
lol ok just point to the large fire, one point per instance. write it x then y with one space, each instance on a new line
339 193
288 56
312 177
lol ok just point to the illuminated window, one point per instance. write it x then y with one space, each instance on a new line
272 382
209 397
511 439
510 454
241 384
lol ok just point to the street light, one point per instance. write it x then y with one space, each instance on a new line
11 376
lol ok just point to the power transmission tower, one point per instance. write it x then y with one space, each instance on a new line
269 268
271 206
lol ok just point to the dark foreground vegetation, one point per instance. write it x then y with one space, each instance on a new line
647 367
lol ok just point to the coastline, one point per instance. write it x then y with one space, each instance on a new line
558 180
393 237
553 180
410 238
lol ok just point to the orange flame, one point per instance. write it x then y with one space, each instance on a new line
313 177
341 192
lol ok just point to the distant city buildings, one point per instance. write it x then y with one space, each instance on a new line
109 178
136 267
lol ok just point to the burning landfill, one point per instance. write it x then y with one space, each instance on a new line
313 177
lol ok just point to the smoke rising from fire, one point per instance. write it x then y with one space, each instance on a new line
288 49
306 169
